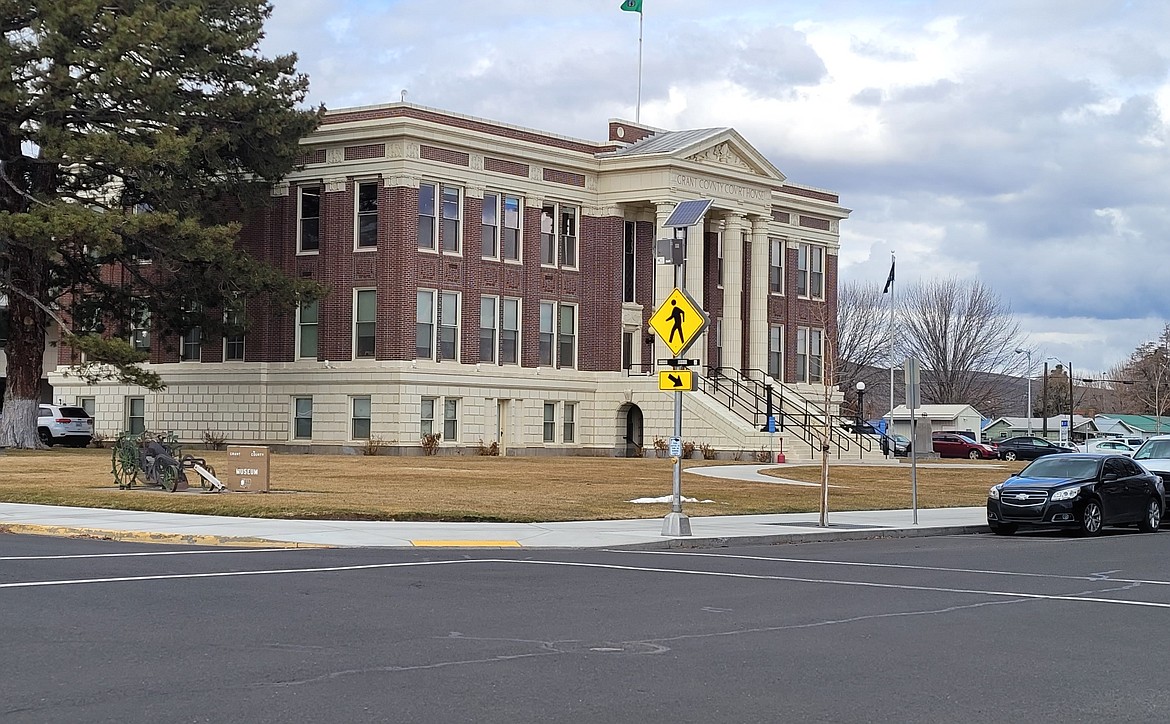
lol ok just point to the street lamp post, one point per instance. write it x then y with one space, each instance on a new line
860 405
1028 414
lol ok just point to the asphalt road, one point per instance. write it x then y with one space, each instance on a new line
962 628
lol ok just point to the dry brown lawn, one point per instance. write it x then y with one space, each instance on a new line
473 488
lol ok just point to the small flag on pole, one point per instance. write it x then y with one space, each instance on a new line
889 279
632 6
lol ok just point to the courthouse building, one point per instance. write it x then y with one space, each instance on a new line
493 283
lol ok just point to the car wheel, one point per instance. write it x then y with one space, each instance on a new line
45 436
1010 455
974 455
1153 517
1091 518
1002 528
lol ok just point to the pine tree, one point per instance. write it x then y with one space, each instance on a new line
130 132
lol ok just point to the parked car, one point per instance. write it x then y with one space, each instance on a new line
1028 448
949 445
1106 446
1154 455
1079 490
70 426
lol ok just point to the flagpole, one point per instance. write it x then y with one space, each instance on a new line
892 260
638 110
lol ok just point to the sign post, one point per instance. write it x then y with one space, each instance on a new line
913 379
679 321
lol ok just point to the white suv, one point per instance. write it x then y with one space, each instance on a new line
1154 455
71 426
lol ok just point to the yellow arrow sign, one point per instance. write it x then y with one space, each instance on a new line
679 321
676 380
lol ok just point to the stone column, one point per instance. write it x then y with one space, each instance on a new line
733 254
758 333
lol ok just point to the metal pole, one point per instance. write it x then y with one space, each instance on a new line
638 111
890 426
1070 403
1029 392
677 523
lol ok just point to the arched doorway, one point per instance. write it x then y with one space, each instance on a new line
630 444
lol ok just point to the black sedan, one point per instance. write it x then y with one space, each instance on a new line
1079 491
1028 448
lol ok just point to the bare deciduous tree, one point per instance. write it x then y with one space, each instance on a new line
960 329
863 336
1148 373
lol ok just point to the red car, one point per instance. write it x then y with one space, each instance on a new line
948 445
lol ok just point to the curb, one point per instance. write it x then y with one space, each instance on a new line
827 536
133 536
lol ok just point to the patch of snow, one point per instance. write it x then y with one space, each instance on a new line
667 499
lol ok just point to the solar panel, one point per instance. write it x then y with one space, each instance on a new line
687 213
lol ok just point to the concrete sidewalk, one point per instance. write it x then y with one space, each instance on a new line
707 531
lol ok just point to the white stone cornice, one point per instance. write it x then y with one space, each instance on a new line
334 184
604 210
280 188
406 180
475 191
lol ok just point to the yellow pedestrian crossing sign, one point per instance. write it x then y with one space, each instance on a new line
679 321
676 380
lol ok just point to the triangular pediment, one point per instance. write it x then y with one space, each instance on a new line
730 151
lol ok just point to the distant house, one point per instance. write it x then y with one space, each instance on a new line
959 418
1132 425
1057 428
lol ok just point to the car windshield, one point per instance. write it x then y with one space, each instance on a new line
74 412
901 438
1061 467
1153 449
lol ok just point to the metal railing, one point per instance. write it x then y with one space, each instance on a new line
745 394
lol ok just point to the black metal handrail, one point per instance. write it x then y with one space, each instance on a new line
745 394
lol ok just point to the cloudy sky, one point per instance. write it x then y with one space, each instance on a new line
1023 142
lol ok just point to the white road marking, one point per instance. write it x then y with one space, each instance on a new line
148 553
599 566
1104 576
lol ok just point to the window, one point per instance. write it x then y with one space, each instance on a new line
802 354
233 335
135 415
512 214
360 419
303 418
627 350
450 229
189 349
816 362
816 280
629 269
810 271
451 419
491 226
367 215
510 332
426 216
718 342
427 416
489 319
140 331
309 215
558 332
719 259
307 330
550 422
449 326
809 355
547 333
89 404
776 352
558 235
776 266
425 324
567 336
3 326
570 422
364 324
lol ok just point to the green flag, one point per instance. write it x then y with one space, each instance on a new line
632 6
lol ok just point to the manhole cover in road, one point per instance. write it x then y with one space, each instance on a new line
606 647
